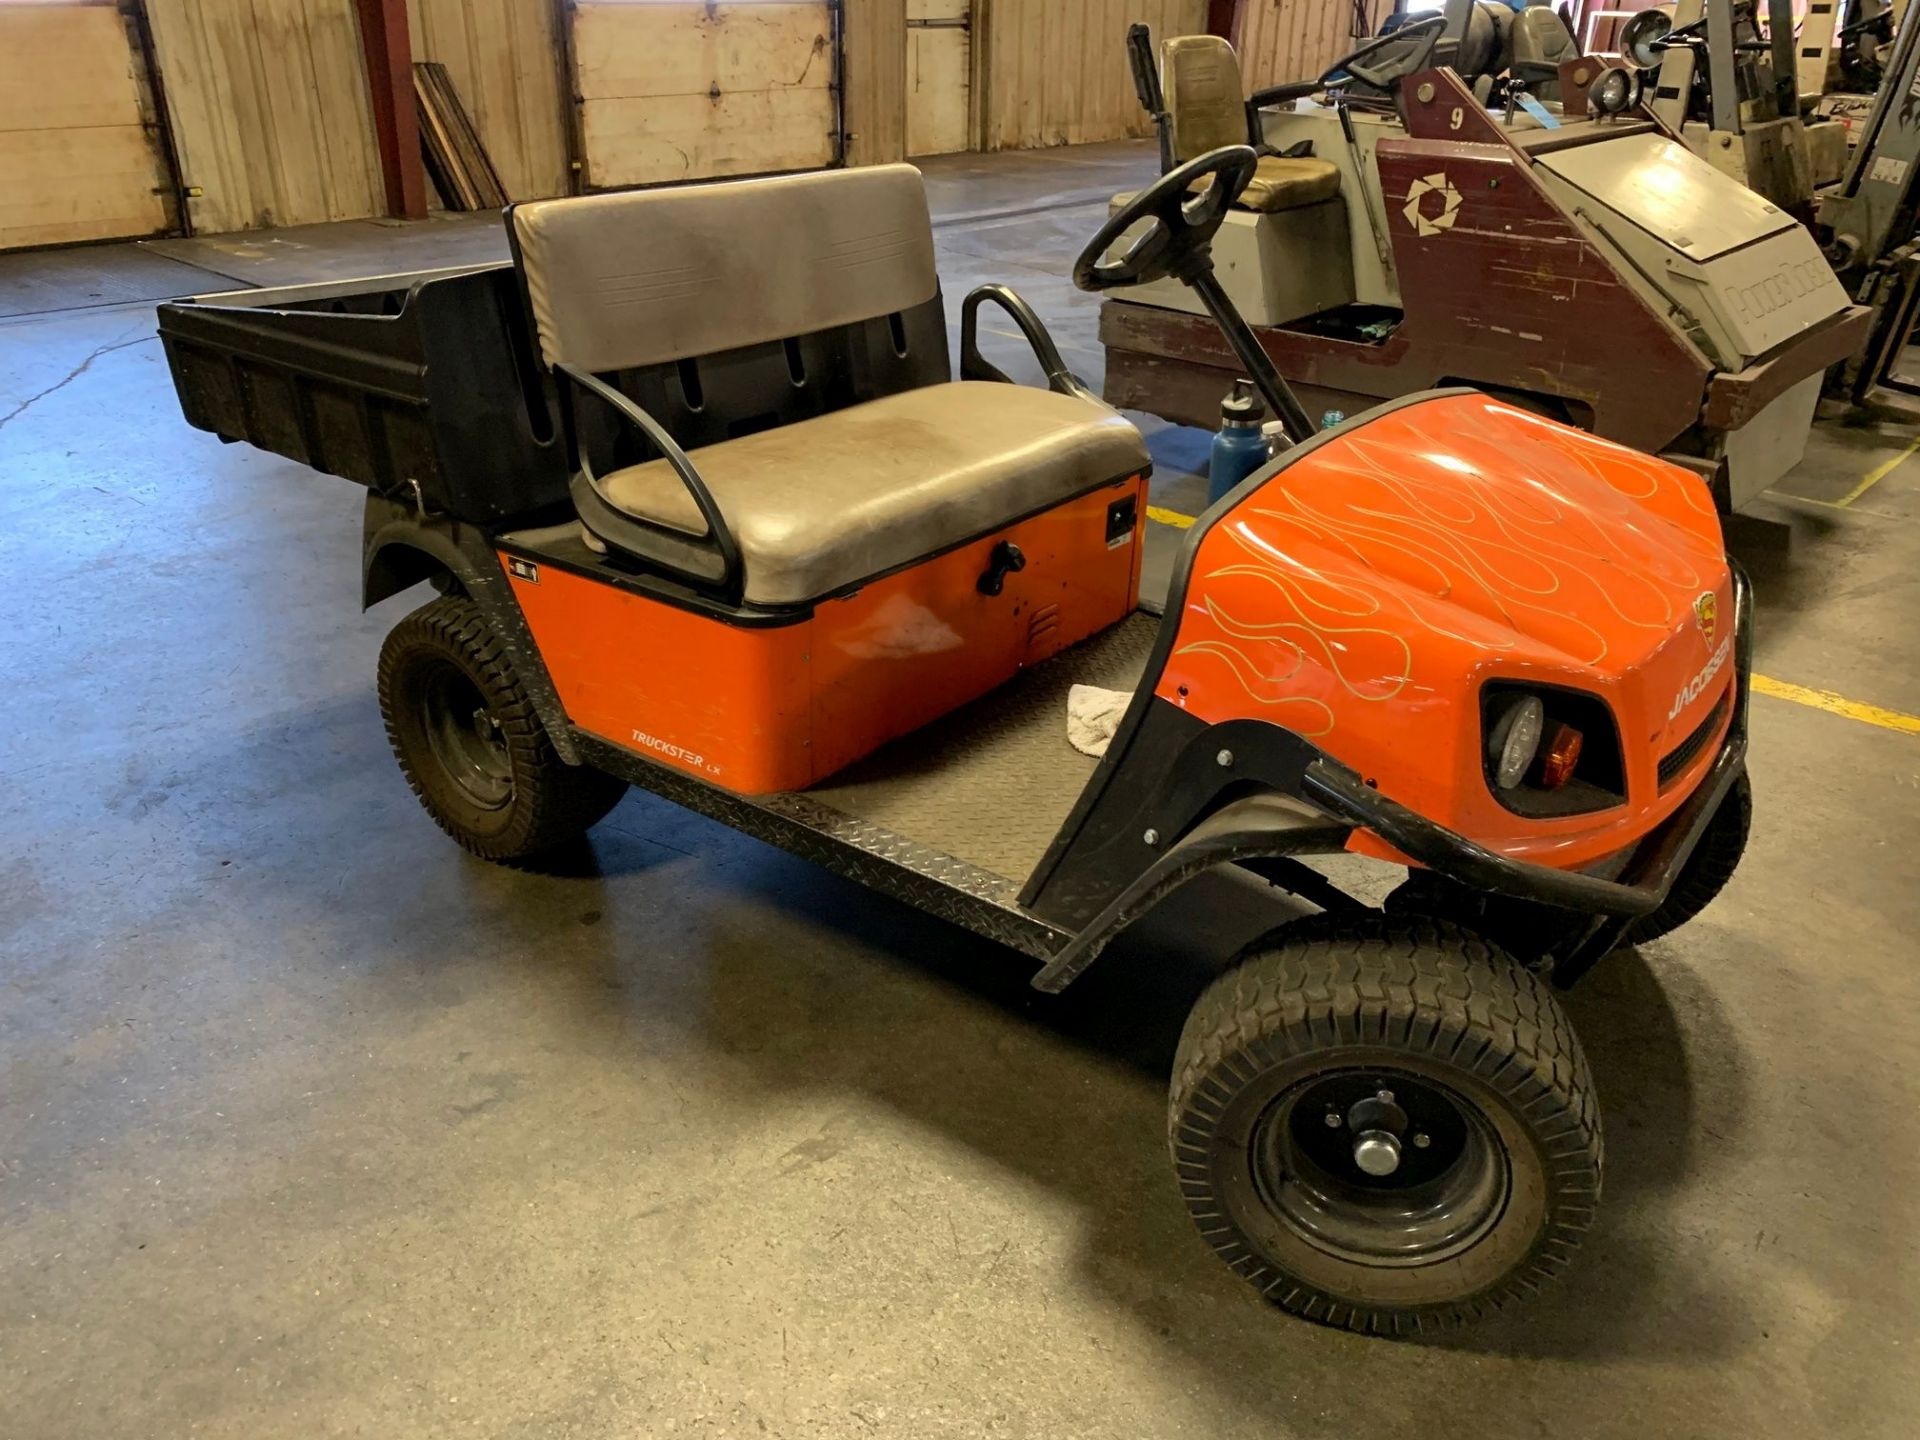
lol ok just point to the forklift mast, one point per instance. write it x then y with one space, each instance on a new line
1459 15
1725 55
1872 210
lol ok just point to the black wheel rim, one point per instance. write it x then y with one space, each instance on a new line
466 739
1448 1184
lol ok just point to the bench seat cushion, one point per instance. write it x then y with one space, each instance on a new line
821 505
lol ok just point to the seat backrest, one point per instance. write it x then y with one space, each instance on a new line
1208 105
1541 40
731 308
642 277
1487 46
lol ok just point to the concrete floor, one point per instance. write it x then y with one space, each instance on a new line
310 1125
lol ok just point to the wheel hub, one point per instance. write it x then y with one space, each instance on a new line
467 739
1377 1152
1381 1168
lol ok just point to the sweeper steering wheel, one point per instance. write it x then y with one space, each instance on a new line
1401 59
1184 224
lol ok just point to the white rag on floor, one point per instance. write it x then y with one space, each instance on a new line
1093 715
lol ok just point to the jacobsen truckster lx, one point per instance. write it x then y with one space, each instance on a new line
707 514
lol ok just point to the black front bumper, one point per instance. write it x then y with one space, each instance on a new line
1173 790
1649 873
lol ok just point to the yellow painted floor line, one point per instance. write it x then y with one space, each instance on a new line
1876 475
1762 684
1837 704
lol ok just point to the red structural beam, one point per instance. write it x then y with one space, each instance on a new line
396 124
1221 15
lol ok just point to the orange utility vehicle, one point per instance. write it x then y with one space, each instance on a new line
708 515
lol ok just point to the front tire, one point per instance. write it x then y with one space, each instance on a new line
1708 869
1385 1124
470 743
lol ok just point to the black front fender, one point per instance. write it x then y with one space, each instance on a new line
1261 826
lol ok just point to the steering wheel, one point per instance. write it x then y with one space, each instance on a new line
1183 226
1695 34
1384 79
1883 23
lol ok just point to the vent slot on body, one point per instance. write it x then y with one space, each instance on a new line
1682 755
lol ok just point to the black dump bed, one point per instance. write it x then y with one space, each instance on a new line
424 379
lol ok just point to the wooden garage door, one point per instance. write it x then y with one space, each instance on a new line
77 160
939 62
673 91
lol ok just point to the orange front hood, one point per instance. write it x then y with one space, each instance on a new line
1362 593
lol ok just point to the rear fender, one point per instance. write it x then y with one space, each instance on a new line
402 547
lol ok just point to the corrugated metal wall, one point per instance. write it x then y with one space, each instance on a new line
272 120
693 89
77 159
270 110
1054 72
503 58
1282 40
874 71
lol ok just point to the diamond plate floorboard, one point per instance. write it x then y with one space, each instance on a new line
991 783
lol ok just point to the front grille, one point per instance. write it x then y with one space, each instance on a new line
1683 754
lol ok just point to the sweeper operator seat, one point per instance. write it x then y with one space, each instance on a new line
1207 108
1539 42
787 339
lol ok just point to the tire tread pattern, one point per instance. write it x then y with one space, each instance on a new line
1707 870
1417 985
553 802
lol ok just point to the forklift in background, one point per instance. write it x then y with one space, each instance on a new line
1840 64
1732 93
1870 223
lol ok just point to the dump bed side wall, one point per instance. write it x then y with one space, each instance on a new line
428 384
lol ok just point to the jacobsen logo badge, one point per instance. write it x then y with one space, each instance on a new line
1706 614
1690 691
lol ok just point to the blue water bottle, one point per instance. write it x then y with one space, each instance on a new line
1239 447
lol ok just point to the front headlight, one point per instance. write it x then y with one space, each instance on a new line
1549 751
1513 740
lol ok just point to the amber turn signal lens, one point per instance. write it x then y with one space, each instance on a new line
1561 754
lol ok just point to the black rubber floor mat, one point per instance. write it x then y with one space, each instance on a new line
991 783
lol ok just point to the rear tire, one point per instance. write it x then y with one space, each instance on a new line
1489 1127
470 743
1707 870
